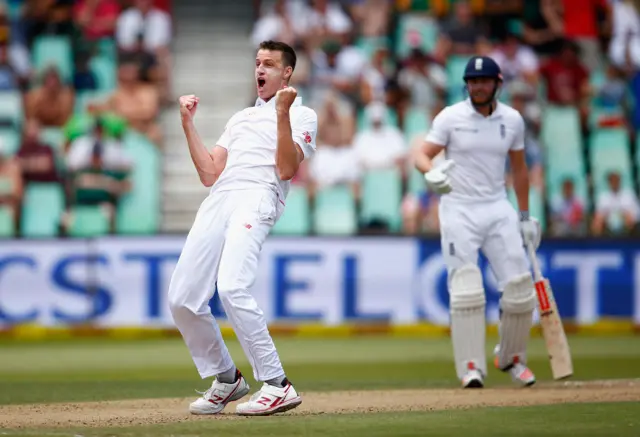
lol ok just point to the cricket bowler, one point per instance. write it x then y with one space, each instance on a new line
249 172
477 135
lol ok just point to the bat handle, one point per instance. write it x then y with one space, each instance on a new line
537 274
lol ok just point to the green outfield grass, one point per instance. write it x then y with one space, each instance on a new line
96 370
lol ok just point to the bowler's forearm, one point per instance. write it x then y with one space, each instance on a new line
202 159
287 159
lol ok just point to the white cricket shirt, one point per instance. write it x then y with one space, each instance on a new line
251 138
479 146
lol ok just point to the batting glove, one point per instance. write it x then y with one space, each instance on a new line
438 179
531 230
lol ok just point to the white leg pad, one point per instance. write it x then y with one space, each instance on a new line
467 304
518 302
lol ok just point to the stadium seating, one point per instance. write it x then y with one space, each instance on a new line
42 208
7 227
54 50
104 68
88 221
11 108
415 30
455 71
381 197
335 211
10 139
609 150
296 219
139 210
53 137
416 121
561 139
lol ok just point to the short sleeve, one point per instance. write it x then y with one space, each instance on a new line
225 139
440 129
304 130
518 141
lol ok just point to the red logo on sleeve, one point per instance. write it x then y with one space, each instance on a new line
307 137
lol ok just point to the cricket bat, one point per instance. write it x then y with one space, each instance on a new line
555 337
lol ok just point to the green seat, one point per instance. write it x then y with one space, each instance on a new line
416 31
54 50
296 219
88 221
416 121
7 225
139 210
335 211
105 71
42 209
53 137
382 197
536 205
609 150
561 138
455 71
107 48
10 138
11 107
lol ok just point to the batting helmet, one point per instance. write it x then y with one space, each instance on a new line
482 66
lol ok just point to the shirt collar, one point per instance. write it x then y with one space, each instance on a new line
497 112
272 102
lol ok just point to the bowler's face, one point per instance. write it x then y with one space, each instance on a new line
270 73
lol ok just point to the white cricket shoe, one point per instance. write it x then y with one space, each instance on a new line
219 395
270 400
473 378
521 374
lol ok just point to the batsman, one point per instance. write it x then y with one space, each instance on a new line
478 135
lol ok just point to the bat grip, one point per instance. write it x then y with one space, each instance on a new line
537 274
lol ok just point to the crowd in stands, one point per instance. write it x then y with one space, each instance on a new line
82 83
378 71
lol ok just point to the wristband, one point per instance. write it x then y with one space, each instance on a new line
524 216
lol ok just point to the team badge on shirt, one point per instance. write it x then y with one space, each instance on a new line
503 131
307 137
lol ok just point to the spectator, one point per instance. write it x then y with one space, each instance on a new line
98 171
325 20
334 68
8 78
335 161
375 77
567 212
37 160
498 15
516 60
11 187
372 17
624 47
617 209
275 25
543 36
425 80
380 145
461 31
51 104
567 79
50 16
153 26
83 78
134 101
523 100
96 19
578 20
15 64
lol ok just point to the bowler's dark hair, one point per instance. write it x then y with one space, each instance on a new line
288 54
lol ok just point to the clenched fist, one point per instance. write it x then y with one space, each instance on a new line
285 98
188 106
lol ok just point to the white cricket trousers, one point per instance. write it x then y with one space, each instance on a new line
223 246
492 227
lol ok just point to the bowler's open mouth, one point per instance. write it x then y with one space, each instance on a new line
261 83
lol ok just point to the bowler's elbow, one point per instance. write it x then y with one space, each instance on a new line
208 179
286 174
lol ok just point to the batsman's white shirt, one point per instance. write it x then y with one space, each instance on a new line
477 214
224 243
